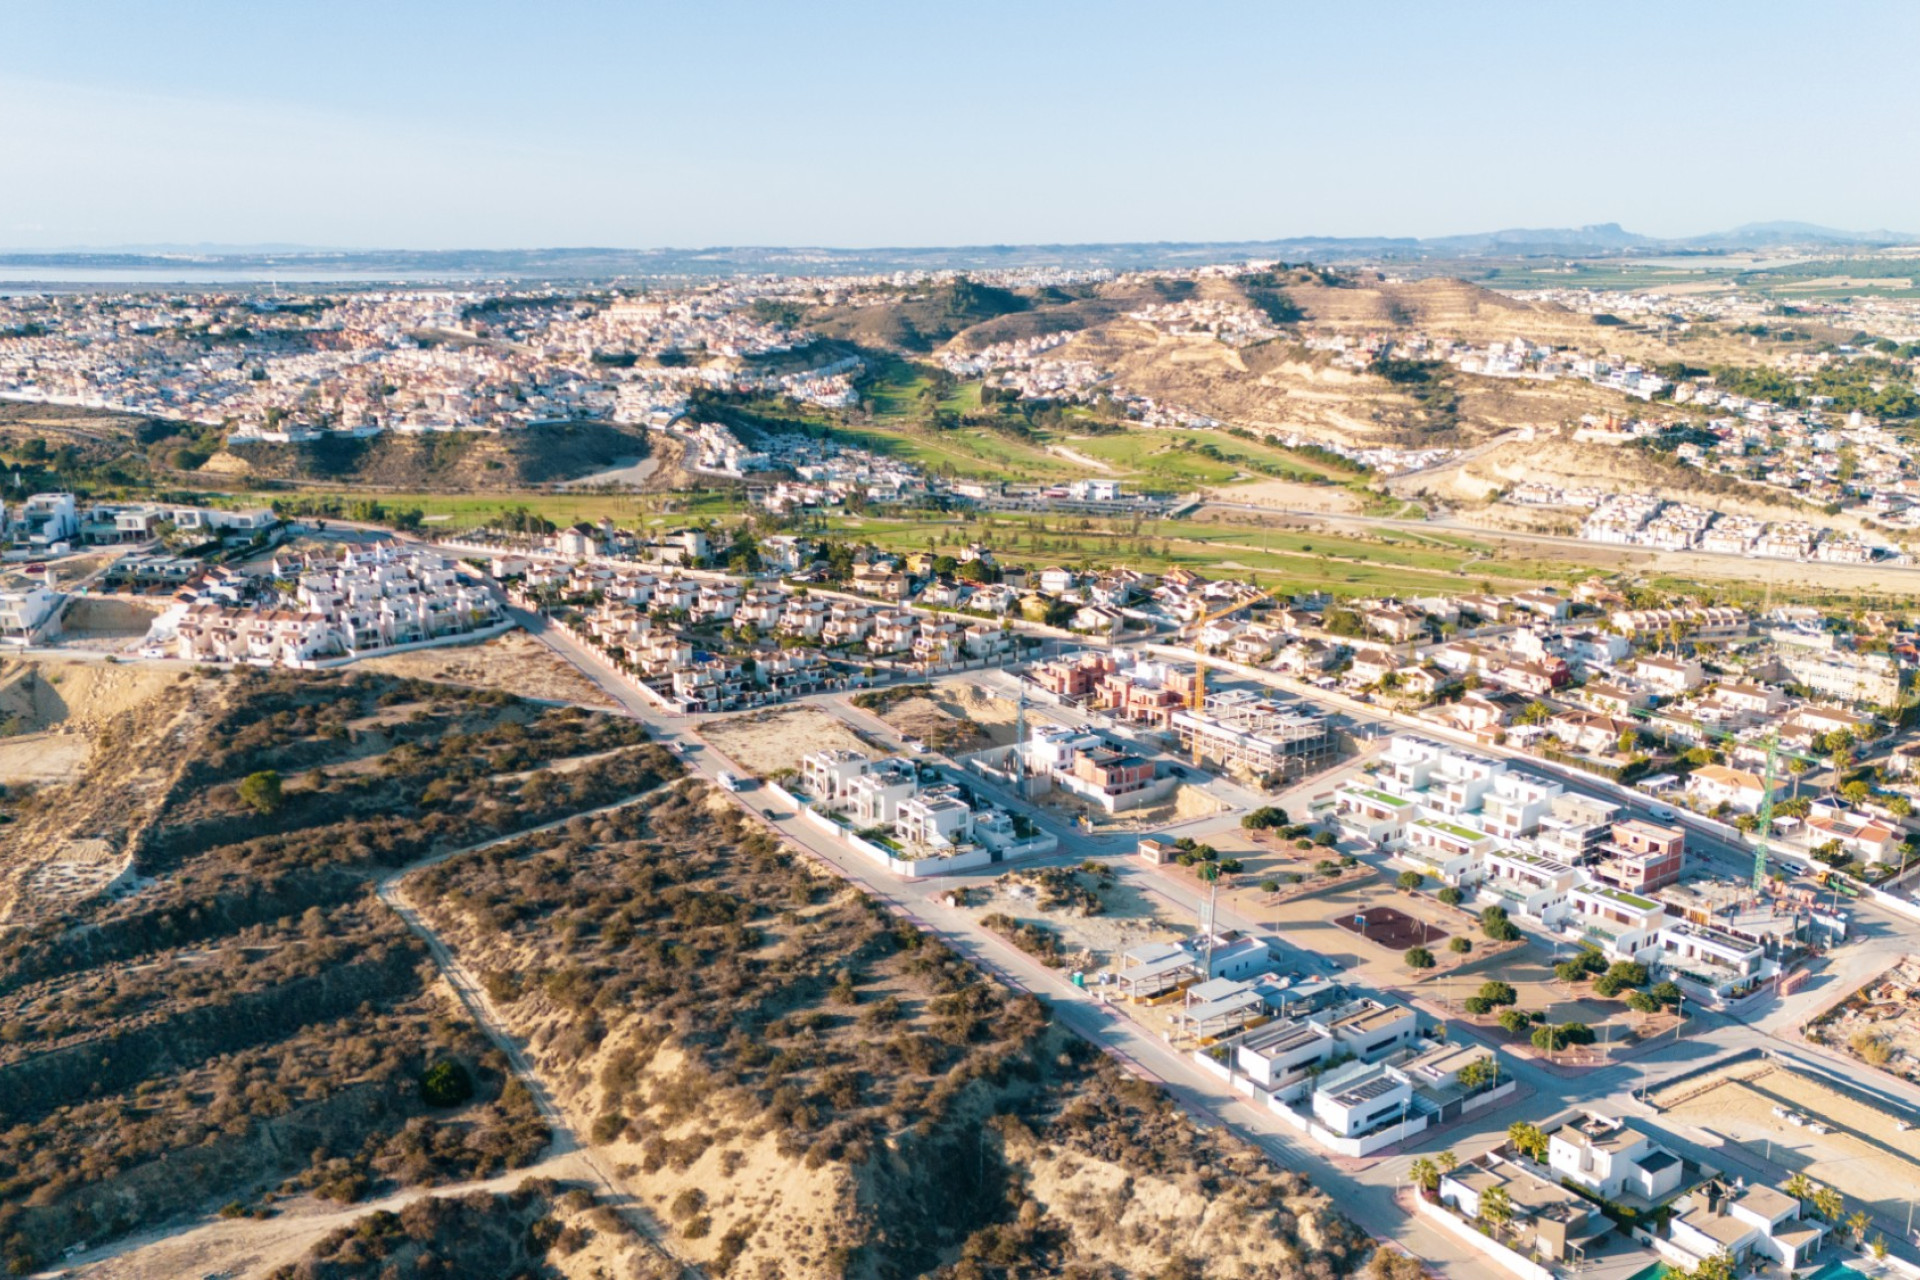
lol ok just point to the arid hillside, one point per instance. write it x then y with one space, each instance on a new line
1562 461
201 1001
789 1077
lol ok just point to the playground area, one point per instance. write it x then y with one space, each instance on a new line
1390 927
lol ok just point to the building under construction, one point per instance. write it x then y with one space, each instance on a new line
1239 728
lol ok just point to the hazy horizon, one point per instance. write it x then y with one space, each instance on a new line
429 126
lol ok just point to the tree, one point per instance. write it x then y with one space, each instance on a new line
1447 1161
1494 991
1514 1021
1641 1002
1411 880
1829 1204
1419 958
1857 1224
1800 1187
1459 946
1549 1039
1265 818
1269 885
1494 923
1629 973
1666 992
1477 1075
1528 1139
446 1084
1425 1174
1451 896
261 791
1496 1207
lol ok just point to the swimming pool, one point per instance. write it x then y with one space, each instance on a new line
1834 1271
1658 1271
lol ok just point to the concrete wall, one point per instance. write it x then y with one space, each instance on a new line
1496 1252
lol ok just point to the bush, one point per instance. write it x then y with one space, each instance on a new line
1460 946
1493 991
1476 1005
1411 880
1498 928
1419 958
1514 1021
1451 896
261 791
446 1084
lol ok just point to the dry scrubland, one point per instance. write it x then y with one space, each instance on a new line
513 663
233 1017
793 1079
764 742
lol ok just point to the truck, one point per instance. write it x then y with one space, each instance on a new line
726 779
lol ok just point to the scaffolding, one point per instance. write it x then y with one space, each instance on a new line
1240 728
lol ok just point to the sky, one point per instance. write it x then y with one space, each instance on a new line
422 124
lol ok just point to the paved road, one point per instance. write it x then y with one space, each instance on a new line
1365 1190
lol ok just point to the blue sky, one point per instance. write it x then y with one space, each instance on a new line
426 124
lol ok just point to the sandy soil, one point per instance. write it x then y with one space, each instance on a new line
1863 1156
1130 917
627 473
765 742
1080 459
1880 1010
254 1247
514 662
39 758
992 715
1291 495
936 725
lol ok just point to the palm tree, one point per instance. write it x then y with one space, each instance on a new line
1800 1187
1857 1224
1829 1204
1425 1174
1496 1207
1447 1161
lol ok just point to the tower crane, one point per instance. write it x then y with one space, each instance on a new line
1764 814
1192 629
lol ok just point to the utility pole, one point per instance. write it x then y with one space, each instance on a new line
1210 872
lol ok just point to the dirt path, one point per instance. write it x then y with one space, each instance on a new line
1080 459
237 1245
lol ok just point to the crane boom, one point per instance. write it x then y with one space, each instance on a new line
1200 663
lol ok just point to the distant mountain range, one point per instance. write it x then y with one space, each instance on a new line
292 263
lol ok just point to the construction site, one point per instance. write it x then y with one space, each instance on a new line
1877 1023
1783 1117
1245 734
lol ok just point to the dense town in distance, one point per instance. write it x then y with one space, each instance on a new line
1265 768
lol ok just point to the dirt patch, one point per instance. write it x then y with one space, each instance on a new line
1876 1024
935 725
1390 927
36 759
1127 918
767 742
106 619
1862 1155
514 663
1291 495
985 710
